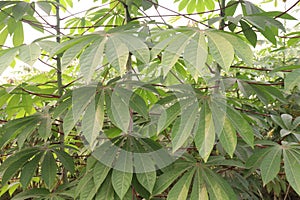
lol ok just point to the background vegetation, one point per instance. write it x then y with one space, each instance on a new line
217 98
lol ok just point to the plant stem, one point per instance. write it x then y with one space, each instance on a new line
60 85
221 27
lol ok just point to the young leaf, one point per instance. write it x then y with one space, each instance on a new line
191 6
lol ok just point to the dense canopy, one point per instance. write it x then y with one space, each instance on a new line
149 99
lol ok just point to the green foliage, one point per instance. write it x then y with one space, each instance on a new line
136 108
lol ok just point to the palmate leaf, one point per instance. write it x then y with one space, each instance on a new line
221 49
91 58
45 6
121 182
29 169
217 187
292 167
147 180
7 57
81 98
270 165
65 159
33 193
241 48
228 137
29 53
15 164
138 104
27 152
106 191
195 54
249 33
117 53
62 47
21 128
292 80
45 126
100 174
206 183
84 184
167 117
48 170
205 133
240 124
169 176
91 125
174 50
88 189
135 45
199 191
18 37
181 188
184 125
72 52
254 161
119 106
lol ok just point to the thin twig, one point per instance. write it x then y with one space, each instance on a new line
286 11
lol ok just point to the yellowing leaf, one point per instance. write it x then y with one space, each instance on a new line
205 134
